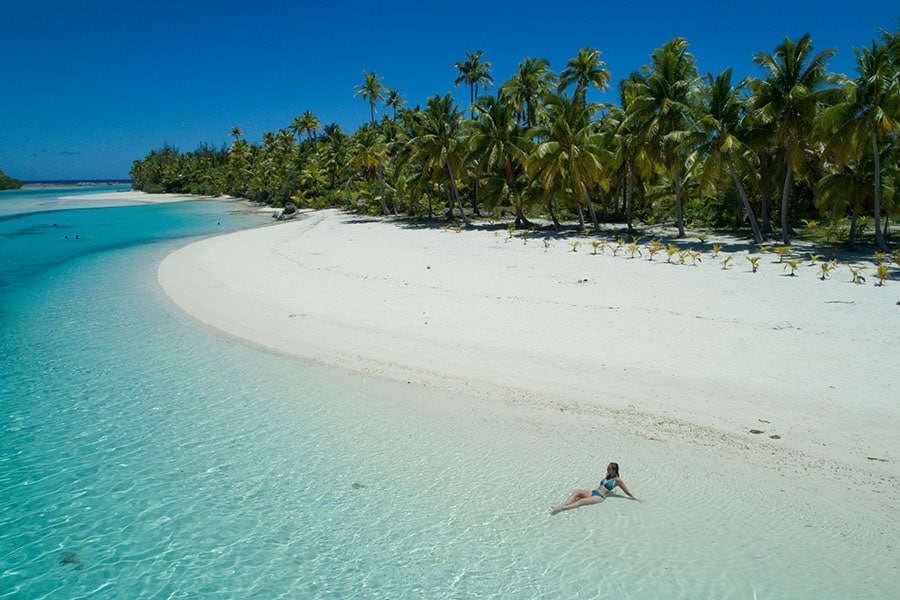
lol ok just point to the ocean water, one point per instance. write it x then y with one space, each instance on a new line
33 199
143 455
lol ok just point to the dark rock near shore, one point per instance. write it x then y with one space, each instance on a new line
288 212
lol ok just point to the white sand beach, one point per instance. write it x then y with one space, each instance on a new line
786 373
128 198
106 199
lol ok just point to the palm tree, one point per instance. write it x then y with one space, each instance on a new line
312 176
585 70
236 132
720 126
368 152
627 154
759 138
372 91
660 107
789 99
528 86
611 157
870 112
846 189
474 73
307 123
334 153
569 150
892 41
500 145
240 167
436 144
394 100
297 127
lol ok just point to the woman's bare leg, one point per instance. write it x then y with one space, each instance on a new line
589 499
572 499
576 495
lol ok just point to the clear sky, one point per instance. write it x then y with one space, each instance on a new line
87 87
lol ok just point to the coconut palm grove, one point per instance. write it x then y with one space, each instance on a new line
796 147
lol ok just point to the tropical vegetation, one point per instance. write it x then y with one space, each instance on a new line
762 156
9 183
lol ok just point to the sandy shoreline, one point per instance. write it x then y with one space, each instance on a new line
129 197
108 199
690 353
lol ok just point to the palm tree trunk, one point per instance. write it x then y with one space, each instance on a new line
757 236
455 191
603 206
679 209
785 204
551 208
629 196
590 205
620 193
521 221
764 194
879 234
384 207
577 206
764 206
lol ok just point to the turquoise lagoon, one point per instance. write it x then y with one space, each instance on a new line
143 455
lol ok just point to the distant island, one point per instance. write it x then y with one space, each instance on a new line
9 183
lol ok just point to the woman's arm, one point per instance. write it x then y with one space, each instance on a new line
621 484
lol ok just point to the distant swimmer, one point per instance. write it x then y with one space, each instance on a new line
582 497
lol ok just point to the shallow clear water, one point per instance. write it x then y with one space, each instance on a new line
32 199
144 456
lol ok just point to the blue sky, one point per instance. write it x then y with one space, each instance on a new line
87 87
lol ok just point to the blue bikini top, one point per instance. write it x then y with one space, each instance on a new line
608 483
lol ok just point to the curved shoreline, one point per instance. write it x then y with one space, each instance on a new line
131 197
694 354
100 199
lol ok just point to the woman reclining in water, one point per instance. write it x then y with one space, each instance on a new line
582 497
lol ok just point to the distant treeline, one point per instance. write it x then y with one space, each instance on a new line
9 183
764 154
